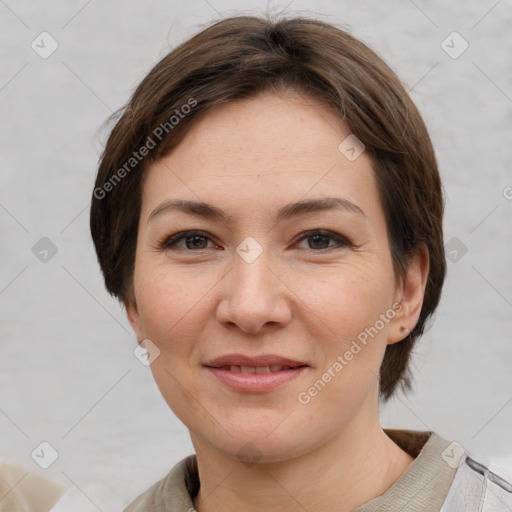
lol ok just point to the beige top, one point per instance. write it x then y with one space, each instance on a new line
23 490
423 487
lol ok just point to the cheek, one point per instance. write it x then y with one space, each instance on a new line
348 331
171 306
168 297
350 338
346 298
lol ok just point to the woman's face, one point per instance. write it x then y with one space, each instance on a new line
294 290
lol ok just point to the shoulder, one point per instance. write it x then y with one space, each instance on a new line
173 492
476 488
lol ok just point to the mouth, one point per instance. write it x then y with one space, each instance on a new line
238 361
255 374
257 369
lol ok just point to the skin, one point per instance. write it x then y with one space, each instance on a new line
297 299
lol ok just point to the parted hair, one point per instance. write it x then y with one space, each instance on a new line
237 58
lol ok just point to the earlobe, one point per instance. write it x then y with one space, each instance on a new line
412 292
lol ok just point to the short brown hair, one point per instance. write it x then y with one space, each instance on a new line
238 57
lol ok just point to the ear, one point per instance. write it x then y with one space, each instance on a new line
410 293
133 317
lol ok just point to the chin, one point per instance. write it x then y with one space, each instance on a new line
259 447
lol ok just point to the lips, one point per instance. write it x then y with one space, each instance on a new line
256 369
255 374
246 364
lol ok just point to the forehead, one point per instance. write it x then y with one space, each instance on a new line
265 150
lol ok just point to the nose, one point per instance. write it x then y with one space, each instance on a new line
253 297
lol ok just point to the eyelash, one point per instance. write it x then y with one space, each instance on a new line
171 241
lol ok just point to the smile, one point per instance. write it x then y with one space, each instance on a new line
255 379
256 369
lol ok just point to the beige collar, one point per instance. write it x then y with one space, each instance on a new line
421 488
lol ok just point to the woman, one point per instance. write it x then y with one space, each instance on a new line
269 210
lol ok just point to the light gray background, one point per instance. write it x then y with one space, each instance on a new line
68 375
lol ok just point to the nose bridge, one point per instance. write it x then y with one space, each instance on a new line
251 273
253 295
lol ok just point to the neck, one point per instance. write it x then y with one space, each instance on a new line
356 466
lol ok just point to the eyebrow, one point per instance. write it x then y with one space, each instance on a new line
286 212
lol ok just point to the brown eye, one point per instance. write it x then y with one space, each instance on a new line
198 240
321 239
194 240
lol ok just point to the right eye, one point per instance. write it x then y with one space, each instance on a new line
193 240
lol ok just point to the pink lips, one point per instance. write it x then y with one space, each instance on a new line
254 374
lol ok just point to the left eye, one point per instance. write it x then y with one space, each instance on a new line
199 240
320 238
